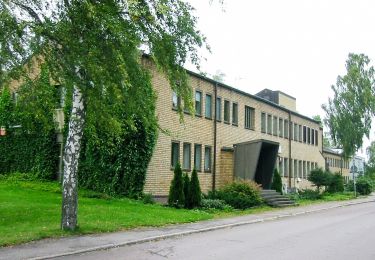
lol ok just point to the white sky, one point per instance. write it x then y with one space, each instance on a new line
296 46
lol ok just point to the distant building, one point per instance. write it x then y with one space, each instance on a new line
357 166
336 163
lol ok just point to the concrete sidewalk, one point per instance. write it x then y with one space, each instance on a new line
50 248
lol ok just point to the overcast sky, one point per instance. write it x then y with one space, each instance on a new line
296 46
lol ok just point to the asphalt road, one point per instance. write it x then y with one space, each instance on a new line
342 233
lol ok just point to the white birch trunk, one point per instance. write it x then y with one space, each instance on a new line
71 156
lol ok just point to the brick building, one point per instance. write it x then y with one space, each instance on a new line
336 163
232 134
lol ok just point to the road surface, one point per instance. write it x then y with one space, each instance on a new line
341 233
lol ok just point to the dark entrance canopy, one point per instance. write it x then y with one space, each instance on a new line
255 160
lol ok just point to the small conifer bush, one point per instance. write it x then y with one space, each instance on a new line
276 182
195 194
176 196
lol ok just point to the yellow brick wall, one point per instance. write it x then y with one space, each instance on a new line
199 130
225 174
287 102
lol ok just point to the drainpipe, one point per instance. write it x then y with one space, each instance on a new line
215 140
290 151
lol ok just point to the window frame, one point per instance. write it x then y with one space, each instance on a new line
234 114
210 159
263 122
226 111
183 156
200 102
218 109
249 114
195 157
205 106
178 153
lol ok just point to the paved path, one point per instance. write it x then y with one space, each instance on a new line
340 233
50 248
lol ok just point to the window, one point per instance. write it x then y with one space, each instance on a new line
308 169
304 170
249 117
207 158
235 114
198 157
286 167
300 133
308 136
198 103
316 137
263 122
312 136
295 132
304 134
218 109
275 125
281 168
281 127
295 173
226 111
175 156
299 169
286 128
176 101
269 124
208 111
186 157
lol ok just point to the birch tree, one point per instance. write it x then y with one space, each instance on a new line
94 48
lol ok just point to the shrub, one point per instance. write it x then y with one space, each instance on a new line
336 183
215 204
276 182
364 186
194 194
187 190
320 178
176 196
240 194
309 194
148 199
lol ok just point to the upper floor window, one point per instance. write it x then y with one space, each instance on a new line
218 109
295 132
226 111
308 136
304 134
274 125
263 122
286 128
234 113
269 124
312 136
316 138
198 103
208 112
176 101
249 117
281 127
300 133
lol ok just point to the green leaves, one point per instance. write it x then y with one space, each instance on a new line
349 113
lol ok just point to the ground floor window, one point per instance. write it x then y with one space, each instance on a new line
198 157
187 156
207 158
175 156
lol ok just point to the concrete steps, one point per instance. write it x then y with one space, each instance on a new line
275 199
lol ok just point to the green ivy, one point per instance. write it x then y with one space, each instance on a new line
30 143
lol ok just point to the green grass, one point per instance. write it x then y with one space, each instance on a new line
327 197
31 211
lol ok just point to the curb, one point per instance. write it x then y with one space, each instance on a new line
184 233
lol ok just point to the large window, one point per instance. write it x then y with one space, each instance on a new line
198 103
226 111
249 118
286 167
316 138
304 134
286 128
274 126
312 136
176 101
300 133
281 127
295 170
198 157
218 109
304 170
207 158
281 167
186 157
269 124
263 122
234 113
299 169
308 135
208 110
175 155
295 132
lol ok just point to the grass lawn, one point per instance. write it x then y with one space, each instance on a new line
328 197
31 210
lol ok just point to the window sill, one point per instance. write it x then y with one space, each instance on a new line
234 124
197 115
207 171
252 129
225 122
209 118
218 121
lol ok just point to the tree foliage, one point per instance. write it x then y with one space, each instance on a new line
277 184
93 48
176 197
349 113
194 194
319 178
